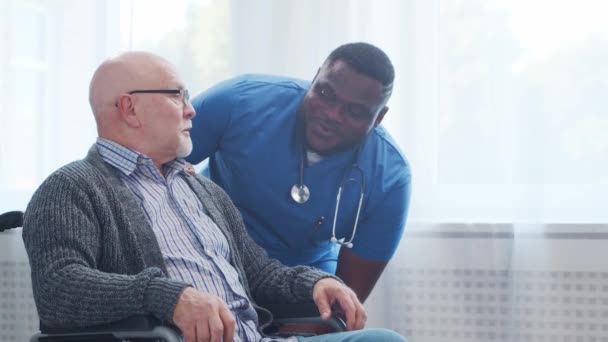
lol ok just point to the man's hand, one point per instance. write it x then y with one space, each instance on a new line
329 293
203 317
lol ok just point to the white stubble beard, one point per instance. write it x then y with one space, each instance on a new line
185 148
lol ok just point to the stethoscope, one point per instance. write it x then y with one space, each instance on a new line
300 194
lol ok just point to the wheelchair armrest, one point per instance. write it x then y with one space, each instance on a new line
143 326
151 327
11 219
140 322
303 313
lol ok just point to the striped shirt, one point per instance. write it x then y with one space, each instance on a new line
193 247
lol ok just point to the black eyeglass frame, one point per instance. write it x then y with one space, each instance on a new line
183 92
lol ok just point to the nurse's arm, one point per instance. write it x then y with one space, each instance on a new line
358 273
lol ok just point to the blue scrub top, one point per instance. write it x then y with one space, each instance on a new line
247 126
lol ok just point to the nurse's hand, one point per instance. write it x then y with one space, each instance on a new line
189 169
329 293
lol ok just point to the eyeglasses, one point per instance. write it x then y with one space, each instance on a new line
184 93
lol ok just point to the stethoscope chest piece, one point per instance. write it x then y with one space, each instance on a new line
300 193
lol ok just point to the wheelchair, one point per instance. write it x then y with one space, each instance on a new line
150 328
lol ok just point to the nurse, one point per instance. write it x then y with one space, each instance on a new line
283 148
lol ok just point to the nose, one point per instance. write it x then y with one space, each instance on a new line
189 111
333 111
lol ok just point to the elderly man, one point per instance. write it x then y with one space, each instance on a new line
126 231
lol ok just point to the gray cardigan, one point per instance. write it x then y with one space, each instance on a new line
95 258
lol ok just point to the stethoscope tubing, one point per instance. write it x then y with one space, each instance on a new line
354 166
342 241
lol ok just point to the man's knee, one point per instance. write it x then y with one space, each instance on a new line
380 335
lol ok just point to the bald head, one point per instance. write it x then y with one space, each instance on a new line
123 73
156 119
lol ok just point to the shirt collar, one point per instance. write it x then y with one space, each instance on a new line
127 160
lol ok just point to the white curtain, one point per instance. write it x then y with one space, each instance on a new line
48 52
500 106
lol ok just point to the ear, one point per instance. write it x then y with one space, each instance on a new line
126 109
380 116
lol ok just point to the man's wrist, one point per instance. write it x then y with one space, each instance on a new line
161 297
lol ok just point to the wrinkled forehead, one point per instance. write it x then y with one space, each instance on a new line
162 75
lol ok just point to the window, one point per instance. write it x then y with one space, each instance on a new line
52 50
25 75
517 112
498 104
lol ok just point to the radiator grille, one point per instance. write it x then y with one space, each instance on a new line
18 318
491 305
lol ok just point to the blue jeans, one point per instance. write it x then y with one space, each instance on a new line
365 335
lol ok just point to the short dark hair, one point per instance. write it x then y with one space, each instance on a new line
367 59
